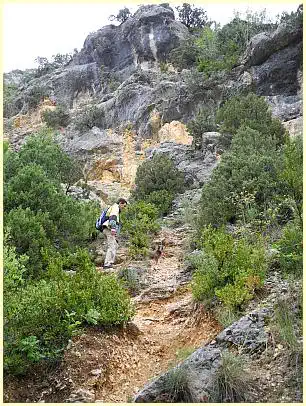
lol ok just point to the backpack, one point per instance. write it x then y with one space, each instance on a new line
103 217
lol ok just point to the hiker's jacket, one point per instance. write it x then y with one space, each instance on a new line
113 221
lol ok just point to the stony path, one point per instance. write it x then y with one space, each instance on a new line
167 325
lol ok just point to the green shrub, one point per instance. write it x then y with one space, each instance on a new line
235 177
203 122
41 149
59 117
184 352
231 270
139 221
185 55
250 111
232 383
40 318
92 116
14 268
290 248
10 92
157 174
162 199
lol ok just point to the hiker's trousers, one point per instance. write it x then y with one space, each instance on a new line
112 247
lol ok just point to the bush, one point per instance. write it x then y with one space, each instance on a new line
203 122
130 280
157 174
92 116
250 111
40 318
232 383
236 177
162 199
139 221
59 117
290 248
185 55
231 270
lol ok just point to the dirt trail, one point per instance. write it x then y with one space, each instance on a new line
169 327
112 365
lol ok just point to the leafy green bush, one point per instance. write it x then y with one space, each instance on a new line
185 55
231 383
156 174
236 176
41 149
14 267
250 111
231 270
139 220
40 318
59 117
290 248
162 199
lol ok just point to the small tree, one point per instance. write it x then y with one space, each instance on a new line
157 174
122 15
193 17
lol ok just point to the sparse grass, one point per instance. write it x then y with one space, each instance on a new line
232 382
183 353
225 316
284 324
176 387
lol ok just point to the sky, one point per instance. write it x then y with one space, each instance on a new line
35 29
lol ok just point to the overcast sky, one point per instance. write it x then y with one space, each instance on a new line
31 30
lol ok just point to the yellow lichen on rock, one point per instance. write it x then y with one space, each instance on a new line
175 132
130 160
105 170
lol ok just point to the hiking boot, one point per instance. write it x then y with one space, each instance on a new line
108 267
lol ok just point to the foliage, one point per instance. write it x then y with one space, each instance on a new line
14 267
34 95
139 221
122 15
156 174
193 17
10 91
92 116
203 122
250 111
284 320
45 66
40 318
258 137
176 388
290 248
185 55
232 383
291 174
231 270
162 199
59 117
41 149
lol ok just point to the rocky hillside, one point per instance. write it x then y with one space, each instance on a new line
125 101
137 104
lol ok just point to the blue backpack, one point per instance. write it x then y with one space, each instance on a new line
103 217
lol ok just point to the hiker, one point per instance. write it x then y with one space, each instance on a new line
111 228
